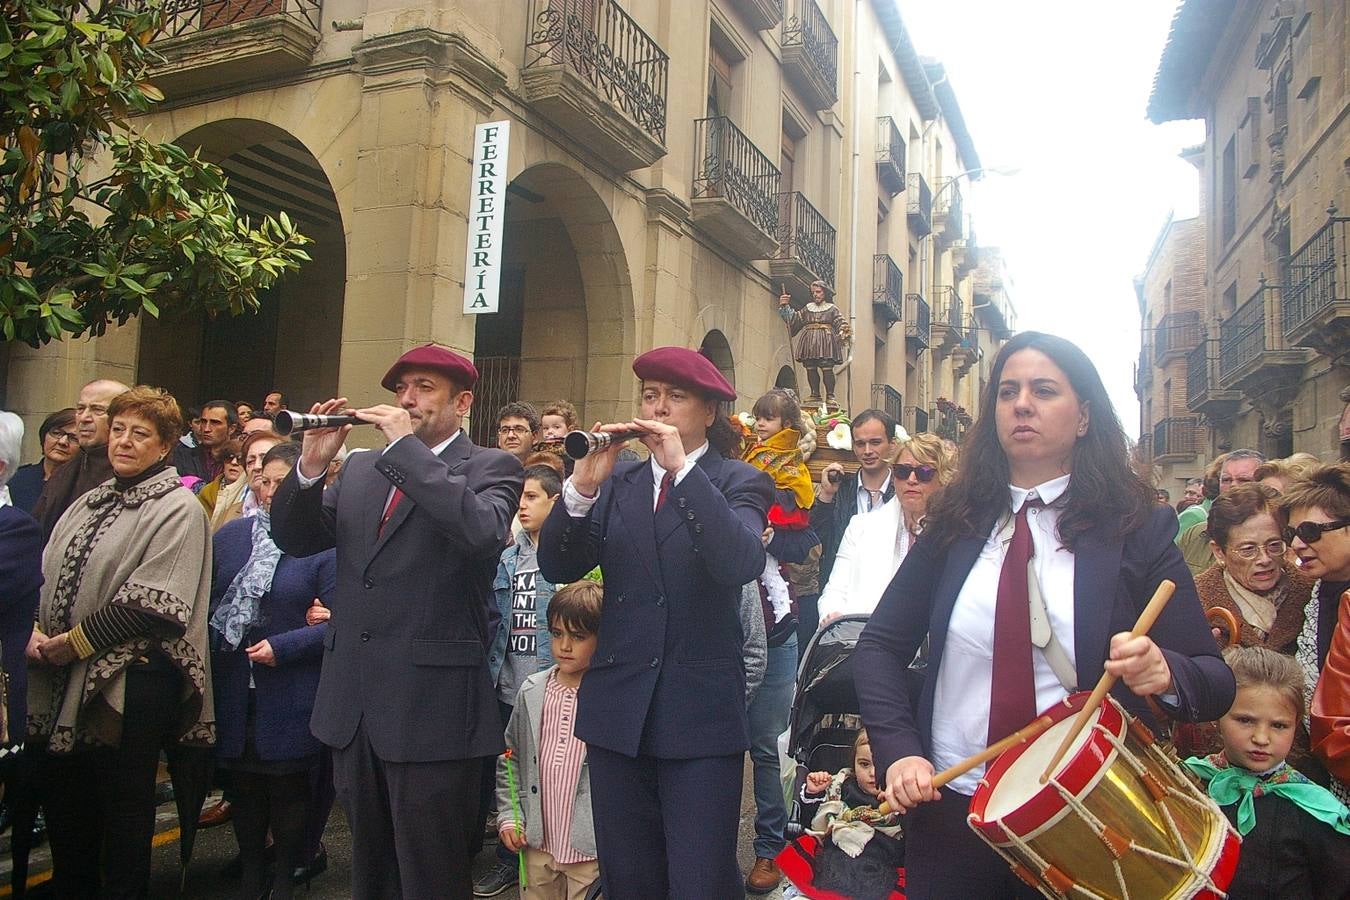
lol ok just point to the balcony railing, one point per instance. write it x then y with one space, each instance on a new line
948 312
1176 436
1200 375
1177 333
947 210
1143 450
1145 370
890 156
888 289
190 16
805 236
602 44
732 168
888 400
1242 336
919 205
811 53
915 420
1319 280
918 322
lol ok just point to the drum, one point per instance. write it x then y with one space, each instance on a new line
1117 819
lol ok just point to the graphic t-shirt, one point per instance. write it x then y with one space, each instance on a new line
522 650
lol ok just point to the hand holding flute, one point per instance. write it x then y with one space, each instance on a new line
595 465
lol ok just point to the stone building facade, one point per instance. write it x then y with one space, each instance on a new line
673 166
1271 79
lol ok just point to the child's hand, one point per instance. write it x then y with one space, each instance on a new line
817 782
512 837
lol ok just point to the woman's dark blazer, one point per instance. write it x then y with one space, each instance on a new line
20 581
285 692
1114 578
667 678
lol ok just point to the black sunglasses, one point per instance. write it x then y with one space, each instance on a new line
1310 532
924 473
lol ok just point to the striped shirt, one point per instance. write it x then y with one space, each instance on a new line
560 758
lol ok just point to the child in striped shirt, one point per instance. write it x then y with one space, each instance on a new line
548 819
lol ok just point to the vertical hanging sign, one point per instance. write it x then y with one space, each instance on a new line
487 209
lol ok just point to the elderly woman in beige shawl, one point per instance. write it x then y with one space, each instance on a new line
119 654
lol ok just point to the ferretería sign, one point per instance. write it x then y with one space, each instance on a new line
487 209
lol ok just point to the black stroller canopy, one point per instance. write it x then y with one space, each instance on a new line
825 679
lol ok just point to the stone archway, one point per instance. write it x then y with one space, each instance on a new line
716 347
786 378
564 326
293 342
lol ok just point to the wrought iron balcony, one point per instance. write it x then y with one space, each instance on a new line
890 156
1177 334
966 257
919 205
760 14
1252 356
592 71
1316 301
918 322
1143 372
916 420
1143 449
810 53
735 190
948 216
209 43
948 319
1203 394
888 286
805 247
888 400
1177 437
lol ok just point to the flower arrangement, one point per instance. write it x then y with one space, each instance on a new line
840 436
901 434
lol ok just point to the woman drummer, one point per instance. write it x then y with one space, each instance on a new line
1044 478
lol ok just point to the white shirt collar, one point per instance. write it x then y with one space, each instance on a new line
440 448
689 459
1049 492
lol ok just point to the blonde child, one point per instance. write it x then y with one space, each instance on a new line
789 538
547 817
1295 834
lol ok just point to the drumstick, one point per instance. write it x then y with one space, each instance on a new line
1021 736
1107 681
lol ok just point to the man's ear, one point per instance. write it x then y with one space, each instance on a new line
462 403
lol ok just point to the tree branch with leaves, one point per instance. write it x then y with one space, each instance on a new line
159 234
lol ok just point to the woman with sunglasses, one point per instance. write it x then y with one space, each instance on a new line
875 544
1315 513
1045 514
59 444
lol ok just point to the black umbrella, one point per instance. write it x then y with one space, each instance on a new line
191 769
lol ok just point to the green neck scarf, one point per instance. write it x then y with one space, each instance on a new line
1229 784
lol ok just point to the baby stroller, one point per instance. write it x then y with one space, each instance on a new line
824 723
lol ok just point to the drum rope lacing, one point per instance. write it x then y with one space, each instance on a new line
1099 829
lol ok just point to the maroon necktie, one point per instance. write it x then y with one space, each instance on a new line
1012 696
666 482
389 510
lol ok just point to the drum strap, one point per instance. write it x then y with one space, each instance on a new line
1043 636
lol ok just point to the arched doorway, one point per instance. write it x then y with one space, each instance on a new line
717 349
293 342
563 329
787 379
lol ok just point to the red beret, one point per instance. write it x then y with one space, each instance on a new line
686 368
438 359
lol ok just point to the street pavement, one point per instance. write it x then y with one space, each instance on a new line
215 847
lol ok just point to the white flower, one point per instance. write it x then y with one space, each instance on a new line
901 434
747 420
839 437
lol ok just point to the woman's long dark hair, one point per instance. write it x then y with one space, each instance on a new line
1104 489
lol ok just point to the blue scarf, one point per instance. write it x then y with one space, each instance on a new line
239 608
1229 784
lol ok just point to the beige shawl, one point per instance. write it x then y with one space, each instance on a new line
148 548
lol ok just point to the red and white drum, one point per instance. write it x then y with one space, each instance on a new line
1117 819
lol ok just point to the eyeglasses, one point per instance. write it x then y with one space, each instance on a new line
1249 552
62 436
925 474
1311 532
514 429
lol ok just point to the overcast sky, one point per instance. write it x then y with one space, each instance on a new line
1058 88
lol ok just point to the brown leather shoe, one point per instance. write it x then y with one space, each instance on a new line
215 815
764 877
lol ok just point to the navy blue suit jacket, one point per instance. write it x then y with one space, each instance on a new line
667 678
285 692
21 579
1114 579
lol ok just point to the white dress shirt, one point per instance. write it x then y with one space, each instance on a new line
872 548
965 676
578 504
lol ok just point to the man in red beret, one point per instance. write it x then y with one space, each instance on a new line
405 699
662 707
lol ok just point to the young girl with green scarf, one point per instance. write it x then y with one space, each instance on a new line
1295 834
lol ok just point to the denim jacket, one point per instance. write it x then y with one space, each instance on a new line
501 589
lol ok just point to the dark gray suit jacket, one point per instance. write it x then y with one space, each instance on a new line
413 613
